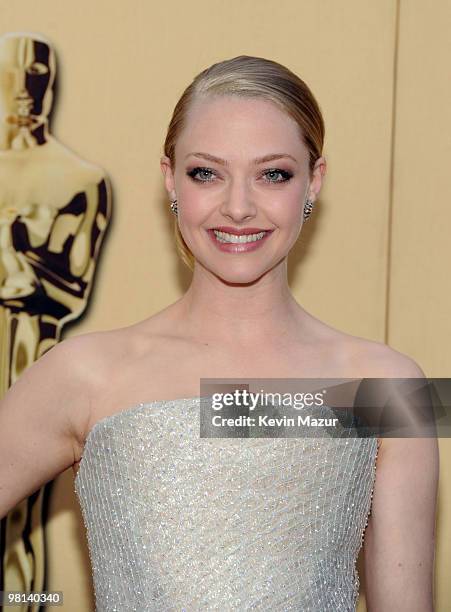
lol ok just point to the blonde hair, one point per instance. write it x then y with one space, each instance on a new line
250 77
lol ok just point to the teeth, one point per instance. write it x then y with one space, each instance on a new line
224 237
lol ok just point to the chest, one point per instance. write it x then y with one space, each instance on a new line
166 374
45 182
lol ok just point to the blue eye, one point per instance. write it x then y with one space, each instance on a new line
206 175
286 176
202 171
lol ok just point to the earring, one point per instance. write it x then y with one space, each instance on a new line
308 207
174 206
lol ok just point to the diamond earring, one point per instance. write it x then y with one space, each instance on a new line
174 206
308 207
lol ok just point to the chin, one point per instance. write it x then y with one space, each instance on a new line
240 273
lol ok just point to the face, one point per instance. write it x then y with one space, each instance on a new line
240 166
27 70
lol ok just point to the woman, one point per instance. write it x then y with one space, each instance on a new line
179 522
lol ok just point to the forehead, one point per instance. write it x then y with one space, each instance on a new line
23 51
226 122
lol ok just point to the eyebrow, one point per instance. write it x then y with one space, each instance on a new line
258 160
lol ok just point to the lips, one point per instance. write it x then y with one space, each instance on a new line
239 247
239 231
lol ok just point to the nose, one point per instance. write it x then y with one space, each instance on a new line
17 82
25 56
238 204
20 81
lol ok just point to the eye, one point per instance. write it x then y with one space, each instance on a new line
37 68
205 175
204 172
273 172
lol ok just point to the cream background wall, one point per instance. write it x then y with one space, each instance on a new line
373 261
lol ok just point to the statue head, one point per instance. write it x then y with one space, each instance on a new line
27 74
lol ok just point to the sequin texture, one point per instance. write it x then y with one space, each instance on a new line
175 522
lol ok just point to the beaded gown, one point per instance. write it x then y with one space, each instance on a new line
177 522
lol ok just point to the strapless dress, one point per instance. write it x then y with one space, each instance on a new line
176 522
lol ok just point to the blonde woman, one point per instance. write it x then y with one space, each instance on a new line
179 522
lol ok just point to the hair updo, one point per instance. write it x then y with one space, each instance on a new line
250 77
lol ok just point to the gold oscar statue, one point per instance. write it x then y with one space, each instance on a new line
54 212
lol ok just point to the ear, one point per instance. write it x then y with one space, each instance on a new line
319 172
166 168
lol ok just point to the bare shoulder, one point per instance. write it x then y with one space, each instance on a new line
82 364
103 361
359 357
373 359
370 358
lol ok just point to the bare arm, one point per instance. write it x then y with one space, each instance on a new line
42 420
399 544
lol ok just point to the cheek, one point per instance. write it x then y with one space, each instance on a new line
286 212
7 94
194 206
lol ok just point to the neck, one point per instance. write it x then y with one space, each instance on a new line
28 135
240 314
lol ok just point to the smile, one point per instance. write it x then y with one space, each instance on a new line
238 243
234 239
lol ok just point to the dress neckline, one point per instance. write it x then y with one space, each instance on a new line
98 425
139 406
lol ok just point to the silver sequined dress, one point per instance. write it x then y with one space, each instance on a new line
176 522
